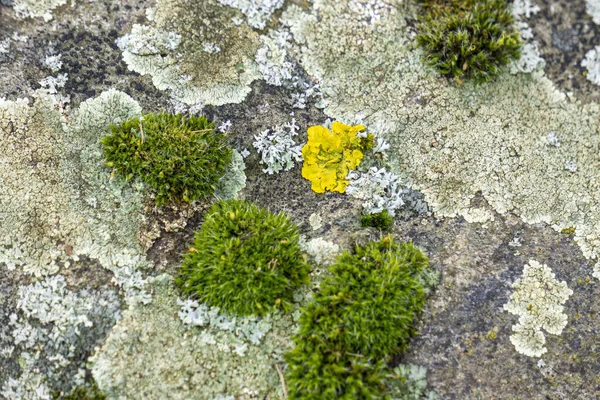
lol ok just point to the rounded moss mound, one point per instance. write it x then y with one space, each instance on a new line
245 260
362 316
181 158
468 38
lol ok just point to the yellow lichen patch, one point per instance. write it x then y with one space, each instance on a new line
330 154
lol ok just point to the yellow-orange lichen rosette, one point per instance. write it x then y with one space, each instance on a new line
330 154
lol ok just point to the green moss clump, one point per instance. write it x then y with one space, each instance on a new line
83 393
245 260
382 220
362 316
468 38
180 158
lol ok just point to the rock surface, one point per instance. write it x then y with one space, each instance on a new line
494 175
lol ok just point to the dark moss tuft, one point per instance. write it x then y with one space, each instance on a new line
382 220
362 316
181 159
468 38
83 393
245 260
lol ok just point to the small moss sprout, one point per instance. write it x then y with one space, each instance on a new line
244 260
181 159
382 220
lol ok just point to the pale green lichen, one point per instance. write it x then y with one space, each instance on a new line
58 204
52 329
234 179
195 49
257 11
37 8
151 353
538 300
410 384
320 251
60 210
450 141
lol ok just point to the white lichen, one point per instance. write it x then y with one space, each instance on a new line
252 329
592 7
49 326
5 46
277 148
37 8
524 8
272 60
225 127
530 59
257 12
553 139
233 180
53 62
591 63
378 188
315 221
52 84
321 251
538 299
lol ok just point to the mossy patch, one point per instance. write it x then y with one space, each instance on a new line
468 38
244 260
382 220
181 158
362 316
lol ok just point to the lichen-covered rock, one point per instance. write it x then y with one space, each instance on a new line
538 301
57 203
152 354
201 50
36 8
454 141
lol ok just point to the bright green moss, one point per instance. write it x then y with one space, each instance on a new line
362 316
468 38
245 260
180 158
382 220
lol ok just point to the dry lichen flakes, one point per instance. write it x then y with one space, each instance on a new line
538 299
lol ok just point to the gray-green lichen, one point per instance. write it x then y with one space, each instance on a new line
61 212
538 300
151 353
201 50
234 179
411 384
450 141
36 8
57 201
